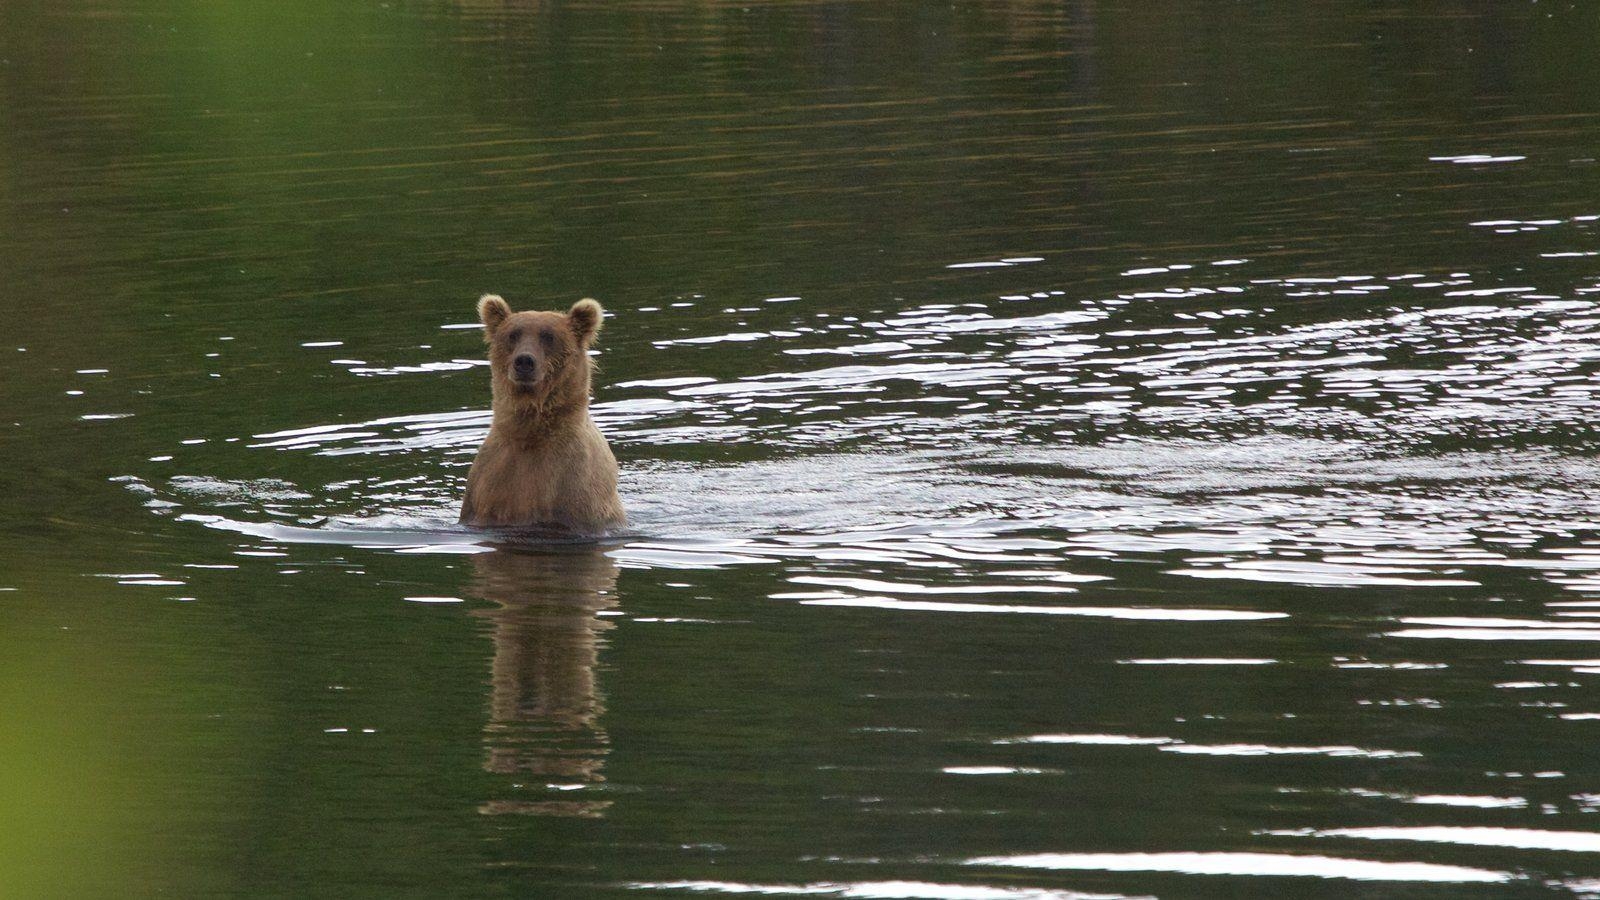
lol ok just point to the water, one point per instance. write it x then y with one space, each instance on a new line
1088 450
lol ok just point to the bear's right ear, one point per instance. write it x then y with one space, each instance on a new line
492 312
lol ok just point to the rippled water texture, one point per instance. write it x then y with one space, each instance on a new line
1073 450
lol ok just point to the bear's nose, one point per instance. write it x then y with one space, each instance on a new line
523 365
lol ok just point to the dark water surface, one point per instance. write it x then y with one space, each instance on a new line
1074 450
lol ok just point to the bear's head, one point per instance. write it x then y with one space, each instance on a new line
540 360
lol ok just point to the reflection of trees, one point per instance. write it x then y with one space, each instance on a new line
323 157
544 705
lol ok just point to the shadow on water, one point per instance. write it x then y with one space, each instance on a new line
545 705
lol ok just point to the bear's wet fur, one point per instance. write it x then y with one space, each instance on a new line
544 463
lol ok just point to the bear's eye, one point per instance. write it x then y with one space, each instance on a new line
514 336
547 337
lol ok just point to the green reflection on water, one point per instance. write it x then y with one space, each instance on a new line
187 179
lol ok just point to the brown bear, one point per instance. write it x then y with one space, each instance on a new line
544 463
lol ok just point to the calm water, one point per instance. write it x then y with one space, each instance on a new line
1075 450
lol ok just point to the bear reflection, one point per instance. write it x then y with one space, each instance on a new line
545 707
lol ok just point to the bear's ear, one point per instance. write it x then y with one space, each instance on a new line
492 312
585 317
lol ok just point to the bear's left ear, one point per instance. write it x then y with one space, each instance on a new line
585 317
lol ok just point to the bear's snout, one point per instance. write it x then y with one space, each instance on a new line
524 366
